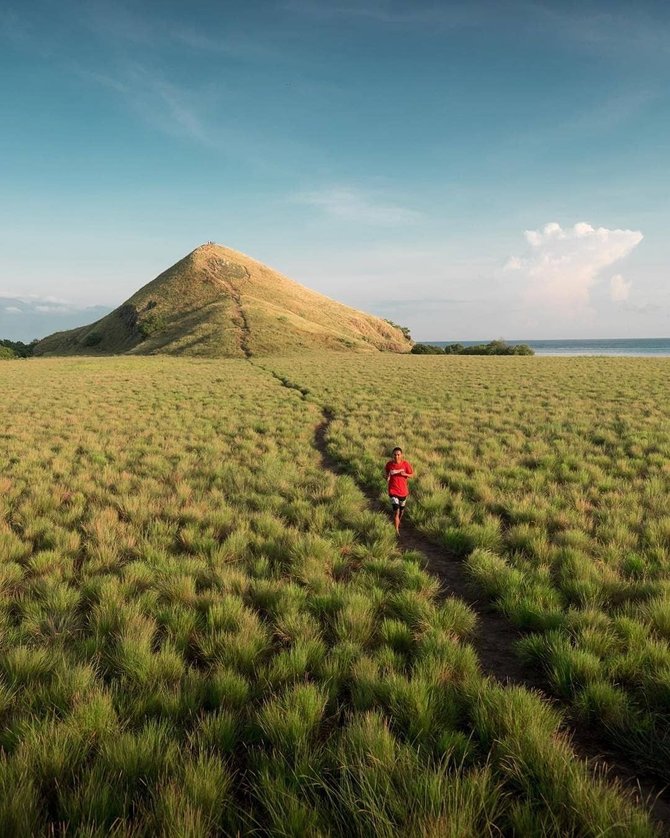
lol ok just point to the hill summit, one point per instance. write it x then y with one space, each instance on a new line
217 302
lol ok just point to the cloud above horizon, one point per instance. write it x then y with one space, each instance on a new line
561 266
27 316
23 303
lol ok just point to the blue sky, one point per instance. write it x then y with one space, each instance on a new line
470 170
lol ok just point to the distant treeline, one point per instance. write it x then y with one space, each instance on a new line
495 347
10 349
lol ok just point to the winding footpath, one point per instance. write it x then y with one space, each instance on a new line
494 643
495 639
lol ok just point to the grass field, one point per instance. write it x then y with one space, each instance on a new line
205 631
550 477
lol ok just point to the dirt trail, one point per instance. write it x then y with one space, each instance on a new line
239 317
495 639
494 643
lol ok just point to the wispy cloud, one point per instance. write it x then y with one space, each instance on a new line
561 266
166 106
631 30
23 303
385 11
28 316
111 22
351 204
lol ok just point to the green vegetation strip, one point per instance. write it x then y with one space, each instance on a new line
203 632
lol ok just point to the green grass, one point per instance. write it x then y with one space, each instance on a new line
549 478
203 631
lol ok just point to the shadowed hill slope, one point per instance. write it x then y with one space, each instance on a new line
218 302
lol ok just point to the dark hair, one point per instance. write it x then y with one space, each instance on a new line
397 448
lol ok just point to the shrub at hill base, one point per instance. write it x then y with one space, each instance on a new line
426 349
497 347
494 347
10 349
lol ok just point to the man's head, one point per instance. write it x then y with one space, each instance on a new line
397 454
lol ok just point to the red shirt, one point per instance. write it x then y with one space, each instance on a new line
397 483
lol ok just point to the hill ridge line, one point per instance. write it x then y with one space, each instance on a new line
244 308
498 659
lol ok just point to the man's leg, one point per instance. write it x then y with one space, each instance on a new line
395 512
400 511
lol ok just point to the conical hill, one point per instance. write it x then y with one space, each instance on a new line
217 302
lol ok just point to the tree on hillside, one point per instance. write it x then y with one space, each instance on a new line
17 348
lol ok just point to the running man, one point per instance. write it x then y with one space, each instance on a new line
398 470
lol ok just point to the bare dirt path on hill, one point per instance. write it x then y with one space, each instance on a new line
240 320
495 639
239 316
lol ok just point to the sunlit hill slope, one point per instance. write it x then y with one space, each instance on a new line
218 302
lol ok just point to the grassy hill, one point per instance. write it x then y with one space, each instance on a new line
217 302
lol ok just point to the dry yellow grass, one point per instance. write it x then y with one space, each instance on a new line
217 302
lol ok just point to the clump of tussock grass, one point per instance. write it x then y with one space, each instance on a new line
218 731
48 563
568 667
419 708
295 626
227 688
290 722
521 730
366 685
336 669
355 620
295 663
53 616
283 795
657 611
195 802
447 661
415 608
492 573
11 576
141 756
602 703
455 617
94 810
377 773
25 666
398 635
21 806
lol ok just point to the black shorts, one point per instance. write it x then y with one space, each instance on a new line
398 502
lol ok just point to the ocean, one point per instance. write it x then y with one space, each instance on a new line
617 346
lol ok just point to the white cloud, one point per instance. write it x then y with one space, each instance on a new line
513 264
34 302
51 308
562 265
619 288
350 204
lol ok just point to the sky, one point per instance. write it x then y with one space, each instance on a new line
469 170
